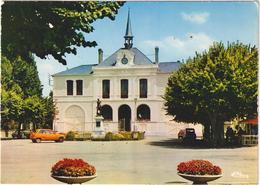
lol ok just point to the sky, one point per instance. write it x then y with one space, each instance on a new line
179 29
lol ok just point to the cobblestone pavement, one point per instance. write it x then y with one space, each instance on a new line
122 162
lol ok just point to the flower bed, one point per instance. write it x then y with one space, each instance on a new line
198 167
78 136
121 136
73 168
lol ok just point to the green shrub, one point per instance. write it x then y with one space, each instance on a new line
70 136
127 135
140 135
83 136
118 137
109 136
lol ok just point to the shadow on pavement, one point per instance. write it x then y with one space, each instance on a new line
177 143
177 182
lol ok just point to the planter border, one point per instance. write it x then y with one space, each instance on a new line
74 180
199 179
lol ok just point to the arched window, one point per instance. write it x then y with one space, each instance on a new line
124 118
143 113
107 112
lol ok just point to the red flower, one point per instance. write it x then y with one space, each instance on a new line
198 167
73 167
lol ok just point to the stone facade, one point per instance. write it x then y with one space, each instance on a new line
131 112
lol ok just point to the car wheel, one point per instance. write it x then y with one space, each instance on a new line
33 140
38 140
61 139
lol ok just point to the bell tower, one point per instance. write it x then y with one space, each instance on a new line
128 34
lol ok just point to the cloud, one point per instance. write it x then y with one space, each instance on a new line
173 48
198 18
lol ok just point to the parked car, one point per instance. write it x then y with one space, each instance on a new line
24 134
46 135
187 134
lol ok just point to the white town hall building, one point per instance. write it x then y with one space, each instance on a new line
129 85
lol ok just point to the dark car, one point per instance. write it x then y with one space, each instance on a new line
187 134
24 134
190 134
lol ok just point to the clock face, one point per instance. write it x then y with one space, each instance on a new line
124 60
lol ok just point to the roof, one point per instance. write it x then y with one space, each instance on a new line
168 67
165 67
139 58
80 70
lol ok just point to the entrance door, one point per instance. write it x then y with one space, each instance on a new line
124 117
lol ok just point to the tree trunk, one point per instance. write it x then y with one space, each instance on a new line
34 127
213 132
220 133
217 130
6 133
19 130
206 133
6 129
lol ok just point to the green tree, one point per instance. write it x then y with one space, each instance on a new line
35 111
7 80
25 74
50 111
12 109
215 86
20 85
50 28
11 97
21 73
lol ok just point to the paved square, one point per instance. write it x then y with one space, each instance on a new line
121 162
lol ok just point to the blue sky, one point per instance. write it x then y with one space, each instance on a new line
178 28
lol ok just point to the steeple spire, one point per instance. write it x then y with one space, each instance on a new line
128 34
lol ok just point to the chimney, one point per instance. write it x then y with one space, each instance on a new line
100 55
156 55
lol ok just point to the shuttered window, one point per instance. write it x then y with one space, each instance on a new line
124 88
143 88
69 87
105 88
79 87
